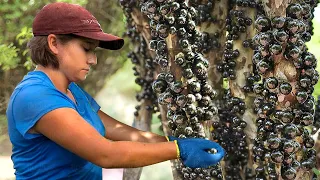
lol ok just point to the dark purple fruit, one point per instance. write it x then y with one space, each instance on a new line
285 88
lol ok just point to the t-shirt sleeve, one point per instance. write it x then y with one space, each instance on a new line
95 106
33 102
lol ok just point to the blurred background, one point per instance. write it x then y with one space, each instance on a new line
111 82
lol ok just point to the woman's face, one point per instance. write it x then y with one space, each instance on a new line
76 57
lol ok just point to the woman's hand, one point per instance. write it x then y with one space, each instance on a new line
195 152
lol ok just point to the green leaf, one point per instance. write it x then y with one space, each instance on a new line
225 83
25 35
24 53
28 64
124 19
8 56
316 171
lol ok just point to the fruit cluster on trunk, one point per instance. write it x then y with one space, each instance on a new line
264 57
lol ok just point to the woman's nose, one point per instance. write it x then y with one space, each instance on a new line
92 59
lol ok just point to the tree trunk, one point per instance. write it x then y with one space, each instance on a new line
244 70
247 36
215 55
292 73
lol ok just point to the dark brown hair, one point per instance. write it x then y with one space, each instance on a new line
41 53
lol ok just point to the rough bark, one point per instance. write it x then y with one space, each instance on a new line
244 69
173 49
276 7
142 24
284 70
317 147
214 56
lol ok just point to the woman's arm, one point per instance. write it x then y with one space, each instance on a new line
118 131
68 129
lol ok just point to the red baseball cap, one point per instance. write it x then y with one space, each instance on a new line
65 18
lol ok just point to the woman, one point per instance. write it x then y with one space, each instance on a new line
58 130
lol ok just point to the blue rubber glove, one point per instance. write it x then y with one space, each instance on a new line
194 152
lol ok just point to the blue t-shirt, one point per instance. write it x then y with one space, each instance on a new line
34 155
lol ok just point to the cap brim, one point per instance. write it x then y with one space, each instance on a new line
107 41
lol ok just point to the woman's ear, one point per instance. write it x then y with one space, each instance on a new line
52 43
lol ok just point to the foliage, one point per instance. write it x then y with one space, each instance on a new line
23 37
16 21
8 56
316 171
314 46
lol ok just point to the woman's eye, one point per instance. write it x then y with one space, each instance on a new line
86 49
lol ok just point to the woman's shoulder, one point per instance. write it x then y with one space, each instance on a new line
34 84
34 78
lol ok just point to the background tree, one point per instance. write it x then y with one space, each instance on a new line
253 54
